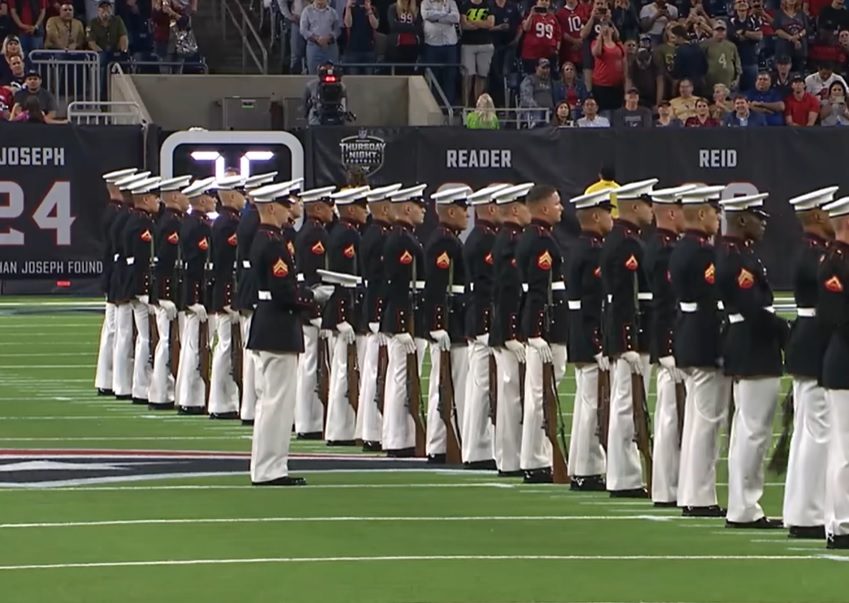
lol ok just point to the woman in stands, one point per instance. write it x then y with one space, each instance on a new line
562 116
570 89
483 117
404 28
11 48
833 110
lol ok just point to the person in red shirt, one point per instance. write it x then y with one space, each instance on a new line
572 17
541 38
801 107
608 69
702 118
6 102
28 16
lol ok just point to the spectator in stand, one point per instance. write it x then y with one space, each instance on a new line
476 49
64 32
655 17
833 111
29 112
360 21
722 103
767 100
11 48
600 14
625 19
782 76
665 117
698 24
702 118
291 11
320 27
541 39
722 58
404 27
483 117
646 76
608 69
441 19
842 61
801 108
814 7
764 18
505 38
632 115
791 29
742 116
6 103
570 89
537 92
819 82
664 57
5 20
591 118
690 61
107 34
745 32
684 105
572 17
28 16
137 15
32 89
562 116
14 78
831 20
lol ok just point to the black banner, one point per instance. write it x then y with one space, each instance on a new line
52 196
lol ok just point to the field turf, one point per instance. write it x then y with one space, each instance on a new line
377 536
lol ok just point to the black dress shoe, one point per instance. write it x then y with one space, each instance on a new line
341 443
372 447
224 415
709 511
160 406
191 410
104 392
538 476
666 504
140 401
436 459
248 422
588 483
631 493
837 542
807 532
764 523
312 435
401 453
123 396
511 473
286 480
481 465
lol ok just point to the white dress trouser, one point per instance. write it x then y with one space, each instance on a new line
624 470
508 420
705 410
804 491
536 451
162 379
341 418
223 390
665 452
399 430
142 367
275 412
190 388
436 435
477 440
122 359
369 417
837 472
105 353
250 377
586 455
309 411
751 435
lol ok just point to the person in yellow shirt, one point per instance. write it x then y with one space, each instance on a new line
606 180
63 32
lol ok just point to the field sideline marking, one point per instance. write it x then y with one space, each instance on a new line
8 487
396 558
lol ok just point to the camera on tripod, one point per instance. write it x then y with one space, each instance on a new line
331 97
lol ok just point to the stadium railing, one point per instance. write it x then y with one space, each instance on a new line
71 75
105 113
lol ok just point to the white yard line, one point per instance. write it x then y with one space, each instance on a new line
46 488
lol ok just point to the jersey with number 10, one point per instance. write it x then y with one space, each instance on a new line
540 41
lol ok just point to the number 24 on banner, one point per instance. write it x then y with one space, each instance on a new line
52 213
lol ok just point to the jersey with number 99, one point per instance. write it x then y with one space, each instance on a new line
541 40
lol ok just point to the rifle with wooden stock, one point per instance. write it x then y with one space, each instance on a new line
680 404
236 354
603 407
553 425
382 364
642 424
203 357
414 388
448 410
174 346
493 389
353 367
323 380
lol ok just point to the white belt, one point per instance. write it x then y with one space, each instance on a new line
347 285
246 263
806 312
264 295
574 304
525 287
610 298
300 277
645 296
688 306
459 289
720 306
735 318
209 267
116 257
130 261
471 286
558 286
419 285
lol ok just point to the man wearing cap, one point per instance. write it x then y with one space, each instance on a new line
115 206
584 348
805 486
543 322
626 341
275 338
223 388
195 247
479 413
751 354
369 415
311 254
32 87
833 314
669 224
696 347
401 320
340 315
246 292
505 335
445 306
165 290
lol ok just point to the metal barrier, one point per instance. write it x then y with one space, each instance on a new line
71 75
134 66
518 117
239 19
105 113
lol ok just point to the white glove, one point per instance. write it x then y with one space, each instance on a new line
321 293
374 327
316 322
542 348
407 341
442 339
518 348
151 310
484 339
199 310
668 362
633 359
602 361
169 307
346 332
145 299
678 376
325 333
382 339
234 316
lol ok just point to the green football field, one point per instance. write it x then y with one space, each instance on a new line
376 536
